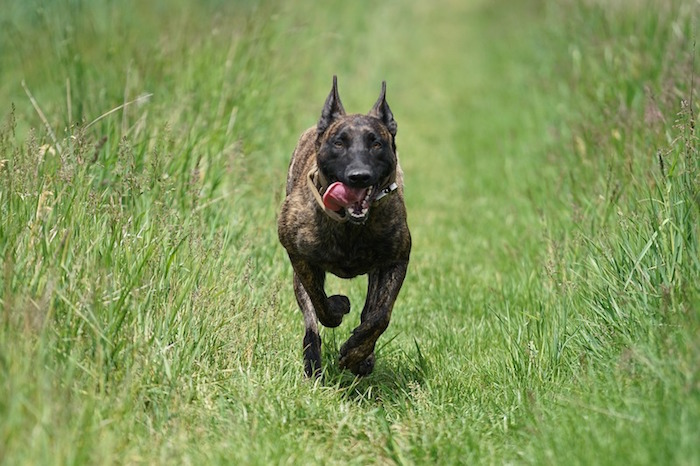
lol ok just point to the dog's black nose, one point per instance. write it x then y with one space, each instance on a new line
359 176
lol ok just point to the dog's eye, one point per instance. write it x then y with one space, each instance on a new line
376 145
338 144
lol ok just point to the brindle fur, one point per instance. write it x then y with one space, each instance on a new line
316 243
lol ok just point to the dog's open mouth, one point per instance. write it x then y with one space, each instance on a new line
355 201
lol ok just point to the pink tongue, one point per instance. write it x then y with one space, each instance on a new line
339 195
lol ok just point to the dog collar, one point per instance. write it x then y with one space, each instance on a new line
318 184
388 190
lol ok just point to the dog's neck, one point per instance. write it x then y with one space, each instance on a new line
318 184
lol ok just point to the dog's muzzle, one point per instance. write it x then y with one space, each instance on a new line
344 203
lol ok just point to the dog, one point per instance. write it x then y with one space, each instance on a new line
344 213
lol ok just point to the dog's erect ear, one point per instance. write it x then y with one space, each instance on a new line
332 110
382 111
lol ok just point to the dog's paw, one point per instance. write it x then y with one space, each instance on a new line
353 362
338 306
312 354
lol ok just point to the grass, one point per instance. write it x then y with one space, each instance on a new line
552 306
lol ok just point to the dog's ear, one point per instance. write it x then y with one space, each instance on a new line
332 110
382 111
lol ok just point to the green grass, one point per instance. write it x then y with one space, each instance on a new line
552 308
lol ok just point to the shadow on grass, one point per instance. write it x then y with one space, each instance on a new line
398 371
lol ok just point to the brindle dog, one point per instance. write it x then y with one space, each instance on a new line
344 213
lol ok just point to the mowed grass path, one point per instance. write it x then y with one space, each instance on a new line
550 313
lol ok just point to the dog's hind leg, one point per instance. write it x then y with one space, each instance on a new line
357 354
312 339
315 306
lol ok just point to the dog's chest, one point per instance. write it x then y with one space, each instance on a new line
344 249
346 262
351 251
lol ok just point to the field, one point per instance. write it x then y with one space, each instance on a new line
551 313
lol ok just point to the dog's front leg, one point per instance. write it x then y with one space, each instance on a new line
312 300
357 354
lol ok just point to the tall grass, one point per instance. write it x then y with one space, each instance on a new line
552 307
122 274
618 319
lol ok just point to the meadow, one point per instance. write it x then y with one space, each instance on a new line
551 312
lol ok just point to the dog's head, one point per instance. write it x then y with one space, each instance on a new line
355 153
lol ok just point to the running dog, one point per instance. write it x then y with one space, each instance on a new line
344 213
